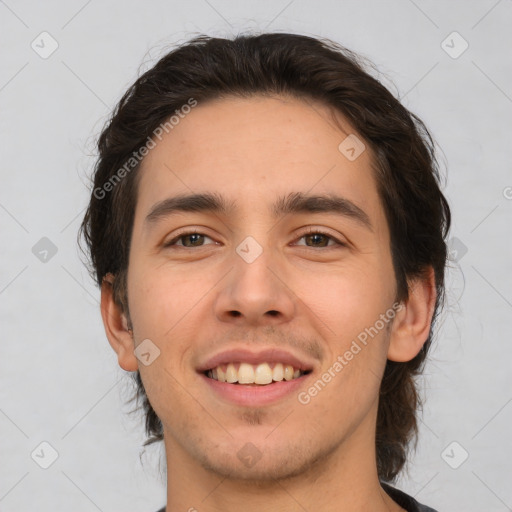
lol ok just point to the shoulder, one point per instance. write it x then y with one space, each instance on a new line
404 500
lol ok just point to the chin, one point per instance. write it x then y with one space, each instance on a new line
260 466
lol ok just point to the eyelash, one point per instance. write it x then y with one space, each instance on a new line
310 231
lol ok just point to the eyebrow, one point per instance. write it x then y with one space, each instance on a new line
301 203
296 202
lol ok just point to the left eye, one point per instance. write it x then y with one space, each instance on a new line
318 239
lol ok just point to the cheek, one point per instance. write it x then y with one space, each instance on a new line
167 305
350 304
157 302
146 302
160 305
356 342
347 299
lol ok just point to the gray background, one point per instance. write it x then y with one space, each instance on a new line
60 382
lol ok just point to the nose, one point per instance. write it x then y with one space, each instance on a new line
255 293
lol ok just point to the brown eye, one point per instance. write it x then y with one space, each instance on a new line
320 240
189 240
317 240
195 239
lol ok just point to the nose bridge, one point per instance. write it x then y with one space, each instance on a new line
253 290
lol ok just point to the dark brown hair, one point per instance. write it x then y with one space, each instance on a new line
405 168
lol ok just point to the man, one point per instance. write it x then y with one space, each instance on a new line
268 232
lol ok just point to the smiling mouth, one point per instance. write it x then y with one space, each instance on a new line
261 374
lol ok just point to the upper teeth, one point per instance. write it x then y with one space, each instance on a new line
253 374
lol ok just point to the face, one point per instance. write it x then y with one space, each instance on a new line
273 277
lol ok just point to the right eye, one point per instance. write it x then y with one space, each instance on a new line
188 239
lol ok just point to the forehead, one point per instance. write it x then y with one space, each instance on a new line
254 150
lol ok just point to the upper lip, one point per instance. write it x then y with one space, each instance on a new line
269 355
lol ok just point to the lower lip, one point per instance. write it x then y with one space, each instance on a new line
255 395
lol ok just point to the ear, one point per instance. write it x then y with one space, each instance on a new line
116 327
412 322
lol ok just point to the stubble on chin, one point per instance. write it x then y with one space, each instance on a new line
253 417
274 466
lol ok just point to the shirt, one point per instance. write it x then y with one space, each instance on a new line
404 500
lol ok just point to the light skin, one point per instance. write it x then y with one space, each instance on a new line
304 293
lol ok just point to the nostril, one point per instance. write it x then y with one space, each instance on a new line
273 312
